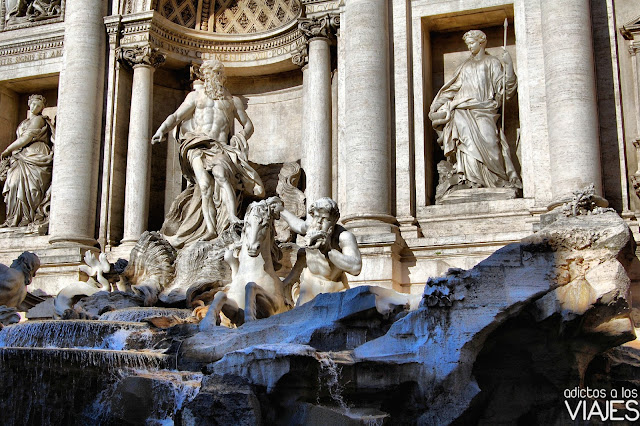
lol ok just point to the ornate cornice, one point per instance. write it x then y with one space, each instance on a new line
187 45
32 50
114 28
140 55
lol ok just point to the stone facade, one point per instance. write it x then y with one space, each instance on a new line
343 87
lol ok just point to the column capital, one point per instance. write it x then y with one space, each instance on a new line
634 48
140 55
300 56
323 26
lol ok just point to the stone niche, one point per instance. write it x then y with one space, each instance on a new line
14 109
444 51
274 104
460 235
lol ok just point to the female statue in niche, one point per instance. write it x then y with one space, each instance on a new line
464 114
26 167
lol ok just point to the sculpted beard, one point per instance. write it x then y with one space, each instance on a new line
319 239
214 87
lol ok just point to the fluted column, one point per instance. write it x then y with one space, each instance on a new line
143 60
316 125
572 111
367 136
79 124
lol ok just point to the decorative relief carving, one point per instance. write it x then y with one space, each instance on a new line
301 56
250 16
21 11
181 12
324 27
140 55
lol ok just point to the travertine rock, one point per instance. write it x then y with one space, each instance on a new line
559 297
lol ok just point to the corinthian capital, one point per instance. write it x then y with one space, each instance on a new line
301 56
324 26
140 55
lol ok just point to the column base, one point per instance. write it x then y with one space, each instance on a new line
69 240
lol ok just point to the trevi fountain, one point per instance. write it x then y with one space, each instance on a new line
318 212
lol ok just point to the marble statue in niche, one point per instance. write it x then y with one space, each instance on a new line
32 10
464 115
330 251
26 166
213 160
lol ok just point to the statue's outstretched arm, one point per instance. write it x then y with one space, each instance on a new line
296 224
183 112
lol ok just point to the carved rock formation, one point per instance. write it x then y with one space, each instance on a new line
497 344
559 297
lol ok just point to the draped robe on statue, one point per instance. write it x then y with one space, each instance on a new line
185 221
26 191
469 136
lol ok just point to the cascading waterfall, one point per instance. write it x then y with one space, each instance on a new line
329 376
78 334
171 391
50 371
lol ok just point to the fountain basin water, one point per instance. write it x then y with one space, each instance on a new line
114 335
53 386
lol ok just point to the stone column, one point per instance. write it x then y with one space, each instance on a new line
143 60
79 125
572 111
367 136
316 127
